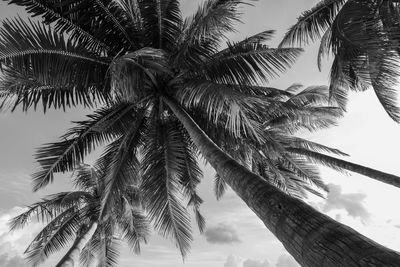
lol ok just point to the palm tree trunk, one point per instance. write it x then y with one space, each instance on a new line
72 257
312 238
328 160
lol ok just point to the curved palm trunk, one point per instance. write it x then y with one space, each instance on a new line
72 257
312 238
325 159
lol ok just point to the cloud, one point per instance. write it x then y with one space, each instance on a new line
233 261
254 263
222 234
352 202
13 244
286 261
9 257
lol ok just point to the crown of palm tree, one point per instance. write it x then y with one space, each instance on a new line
155 72
68 215
132 55
364 39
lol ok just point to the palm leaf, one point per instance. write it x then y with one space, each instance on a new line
109 251
161 21
111 22
43 65
21 39
102 126
135 228
63 23
214 18
163 159
248 63
27 88
120 164
313 23
223 104
46 209
219 186
55 236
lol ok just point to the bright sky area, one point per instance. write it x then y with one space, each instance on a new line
234 237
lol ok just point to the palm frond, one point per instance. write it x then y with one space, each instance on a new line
219 186
41 64
135 228
304 170
75 18
133 9
19 39
88 255
46 209
28 88
55 236
339 86
317 157
308 109
104 125
63 23
258 38
214 18
384 73
298 142
248 63
222 104
111 12
324 47
163 158
191 176
119 163
85 177
161 23
202 32
313 23
108 252
133 76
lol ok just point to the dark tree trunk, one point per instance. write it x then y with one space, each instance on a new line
312 238
383 177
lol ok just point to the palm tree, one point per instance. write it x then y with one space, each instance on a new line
74 215
156 72
363 36
282 146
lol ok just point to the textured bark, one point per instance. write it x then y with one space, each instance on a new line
312 238
371 173
71 259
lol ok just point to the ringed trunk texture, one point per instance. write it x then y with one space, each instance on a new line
371 173
71 259
312 238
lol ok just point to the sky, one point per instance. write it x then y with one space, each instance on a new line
234 237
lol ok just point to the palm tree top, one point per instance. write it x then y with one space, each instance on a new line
135 56
68 215
363 38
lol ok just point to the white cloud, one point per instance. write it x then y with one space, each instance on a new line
286 261
254 263
222 234
9 256
233 261
351 202
13 244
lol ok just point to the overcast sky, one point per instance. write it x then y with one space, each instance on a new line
234 236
